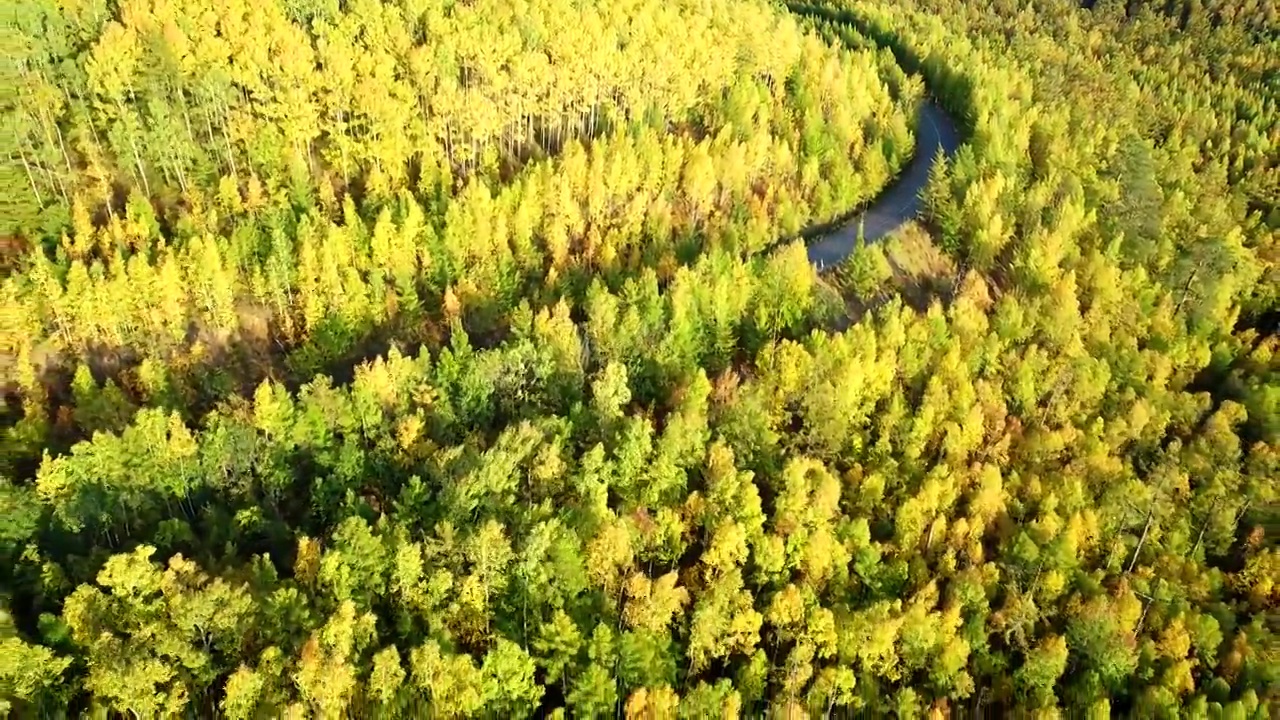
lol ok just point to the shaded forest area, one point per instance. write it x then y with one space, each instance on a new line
431 359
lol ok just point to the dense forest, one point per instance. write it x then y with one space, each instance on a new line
423 358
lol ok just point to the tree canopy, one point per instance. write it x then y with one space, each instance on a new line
436 359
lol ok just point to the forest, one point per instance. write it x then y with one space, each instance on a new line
426 358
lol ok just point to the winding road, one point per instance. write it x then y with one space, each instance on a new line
899 203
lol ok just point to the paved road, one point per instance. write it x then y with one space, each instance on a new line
899 202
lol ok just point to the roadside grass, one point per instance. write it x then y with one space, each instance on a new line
908 264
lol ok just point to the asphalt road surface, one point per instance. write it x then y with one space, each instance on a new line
900 202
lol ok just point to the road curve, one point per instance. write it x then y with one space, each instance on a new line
898 203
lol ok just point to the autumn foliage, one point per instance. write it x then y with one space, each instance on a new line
435 359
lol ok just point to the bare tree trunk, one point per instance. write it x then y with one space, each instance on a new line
66 158
30 178
186 116
1143 620
1186 289
137 158
1146 528
46 122
182 177
208 127
594 105
231 158
1205 526
448 141
142 174
97 145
